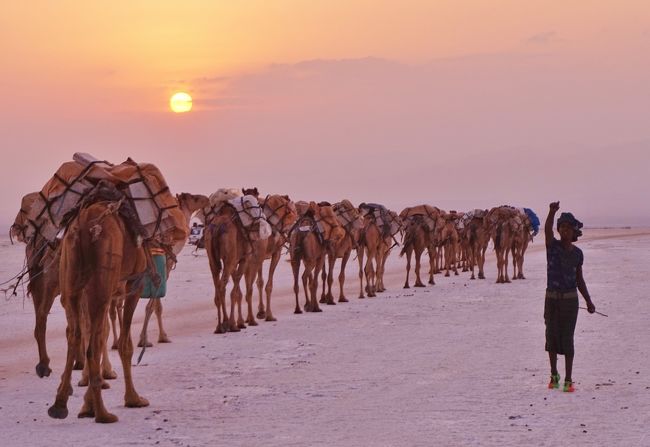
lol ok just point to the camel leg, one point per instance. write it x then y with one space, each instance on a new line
59 410
344 261
306 284
479 264
418 254
236 299
447 260
432 261
384 257
43 297
259 282
314 284
329 298
249 279
107 368
112 312
360 253
147 316
323 295
269 285
125 347
378 259
409 252
370 276
98 305
162 335
505 266
295 267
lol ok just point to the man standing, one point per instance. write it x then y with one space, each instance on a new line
564 280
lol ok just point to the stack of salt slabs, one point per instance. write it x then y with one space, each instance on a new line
248 209
156 206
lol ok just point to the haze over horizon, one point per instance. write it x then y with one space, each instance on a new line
456 104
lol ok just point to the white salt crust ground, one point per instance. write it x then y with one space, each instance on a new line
461 363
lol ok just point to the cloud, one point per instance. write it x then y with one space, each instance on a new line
543 38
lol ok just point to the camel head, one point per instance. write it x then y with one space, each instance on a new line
280 212
348 215
329 224
251 192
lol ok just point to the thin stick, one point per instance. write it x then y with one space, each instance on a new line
599 313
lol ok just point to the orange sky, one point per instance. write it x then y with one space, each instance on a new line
365 81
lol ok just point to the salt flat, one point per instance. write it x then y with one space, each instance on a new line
461 363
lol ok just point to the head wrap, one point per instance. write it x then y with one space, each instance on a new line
575 224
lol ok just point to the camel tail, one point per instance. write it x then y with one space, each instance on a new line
216 249
407 244
497 239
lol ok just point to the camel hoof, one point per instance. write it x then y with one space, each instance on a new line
57 412
107 418
317 309
164 339
447 275
148 345
322 300
472 278
43 370
361 297
270 318
83 382
137 403
105 385
297 311
261 315
343 300
86 413
406 286
78 365
419 285
114 347
252 323
219 330
109 375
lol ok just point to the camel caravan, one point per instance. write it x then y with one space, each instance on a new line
102 236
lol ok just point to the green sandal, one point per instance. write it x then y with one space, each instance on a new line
568 386
555 382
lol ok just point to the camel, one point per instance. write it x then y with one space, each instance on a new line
423 226
188 204
501 231
450 242
377 239
393 227
98 256
416 239
316 227
522 235
281 214
42 260
233 252
478 238
370 244
352 222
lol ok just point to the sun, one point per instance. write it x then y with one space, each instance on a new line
180 102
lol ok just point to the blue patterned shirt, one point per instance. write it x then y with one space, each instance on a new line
562 266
